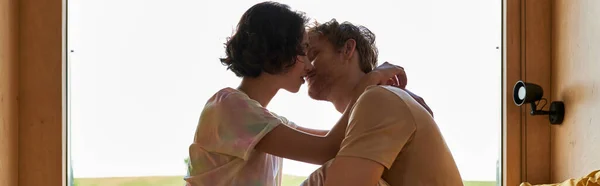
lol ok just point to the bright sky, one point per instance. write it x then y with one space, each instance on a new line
142 70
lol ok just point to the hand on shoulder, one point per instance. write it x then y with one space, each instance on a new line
384 74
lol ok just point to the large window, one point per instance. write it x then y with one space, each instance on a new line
140 72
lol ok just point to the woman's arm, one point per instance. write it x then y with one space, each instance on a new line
289 143
317 132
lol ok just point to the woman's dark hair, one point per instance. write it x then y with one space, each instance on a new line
268 39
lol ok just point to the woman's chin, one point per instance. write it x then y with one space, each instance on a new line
293 89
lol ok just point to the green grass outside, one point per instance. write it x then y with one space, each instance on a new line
288 180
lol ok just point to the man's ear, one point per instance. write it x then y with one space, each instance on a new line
349 48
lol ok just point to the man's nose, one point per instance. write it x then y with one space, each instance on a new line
309 66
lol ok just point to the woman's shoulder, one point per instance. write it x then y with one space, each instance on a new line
232 101
229 97
228 93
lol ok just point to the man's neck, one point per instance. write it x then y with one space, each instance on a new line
258 89
342 92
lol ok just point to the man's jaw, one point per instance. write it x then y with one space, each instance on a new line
323 93
336 90
316 92
342 90
340 97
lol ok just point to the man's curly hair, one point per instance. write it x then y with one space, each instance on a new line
337 34
268 39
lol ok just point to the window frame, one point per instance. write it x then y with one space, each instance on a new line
527 53
42 116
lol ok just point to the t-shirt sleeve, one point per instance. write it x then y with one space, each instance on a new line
233 124
380 125
287 122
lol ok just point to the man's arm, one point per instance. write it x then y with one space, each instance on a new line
380 125
353 171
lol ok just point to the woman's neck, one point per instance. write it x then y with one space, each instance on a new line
260 89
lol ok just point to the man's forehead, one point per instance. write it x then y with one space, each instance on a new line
316 39
313 36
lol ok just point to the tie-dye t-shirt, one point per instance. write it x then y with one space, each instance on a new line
222 154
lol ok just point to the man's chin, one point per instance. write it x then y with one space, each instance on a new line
316 95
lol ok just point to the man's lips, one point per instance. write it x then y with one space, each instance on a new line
309 77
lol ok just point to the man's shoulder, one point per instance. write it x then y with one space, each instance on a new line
380 98
390 98
379 93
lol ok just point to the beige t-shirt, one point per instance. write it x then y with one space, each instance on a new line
389 127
